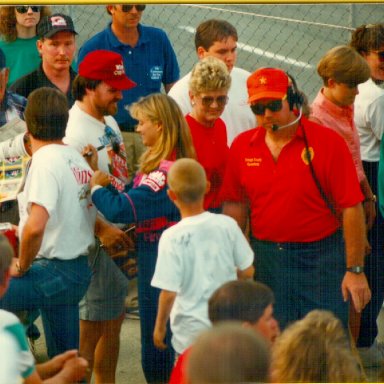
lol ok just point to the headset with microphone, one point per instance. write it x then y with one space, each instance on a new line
294 98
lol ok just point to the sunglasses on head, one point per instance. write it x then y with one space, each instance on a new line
207 101
24 8
380 55
113 139
273 106
128 7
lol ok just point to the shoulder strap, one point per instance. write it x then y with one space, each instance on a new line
315 179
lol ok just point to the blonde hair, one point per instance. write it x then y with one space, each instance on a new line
314 349
187 179
209 74
175 140
344 65
8 21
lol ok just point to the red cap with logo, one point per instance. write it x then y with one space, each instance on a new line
106 66
267 83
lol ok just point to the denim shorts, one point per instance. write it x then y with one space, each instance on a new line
105 297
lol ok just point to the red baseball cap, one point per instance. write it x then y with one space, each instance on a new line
267 83
106 66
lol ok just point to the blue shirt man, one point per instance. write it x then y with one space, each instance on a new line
149 59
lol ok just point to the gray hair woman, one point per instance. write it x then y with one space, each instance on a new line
208 91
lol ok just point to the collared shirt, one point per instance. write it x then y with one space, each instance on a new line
13 105
285 203
151 63
37 79
369 119
212 151
340 119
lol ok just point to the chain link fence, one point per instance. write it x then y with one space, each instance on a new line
291 36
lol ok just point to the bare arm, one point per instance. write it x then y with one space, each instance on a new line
166 300
355 285
238 211
167 87
369 203
246 274
31 238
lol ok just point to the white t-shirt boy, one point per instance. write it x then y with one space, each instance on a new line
196 256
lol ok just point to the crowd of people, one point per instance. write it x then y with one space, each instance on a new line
257 216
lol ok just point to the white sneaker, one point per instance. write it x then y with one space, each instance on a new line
372 356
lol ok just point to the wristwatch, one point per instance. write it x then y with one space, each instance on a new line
357 269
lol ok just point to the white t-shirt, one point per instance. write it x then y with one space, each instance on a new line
24 361
83 129
9 352
369 119
237 114
196 256
58 180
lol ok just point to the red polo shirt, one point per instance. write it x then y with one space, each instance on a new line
212 151
285 203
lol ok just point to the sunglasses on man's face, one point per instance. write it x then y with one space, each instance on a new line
128 7
24 8
380 55
221 101
273 106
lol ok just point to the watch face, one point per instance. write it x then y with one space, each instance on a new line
356 269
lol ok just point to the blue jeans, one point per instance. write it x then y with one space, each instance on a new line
303 276
55 287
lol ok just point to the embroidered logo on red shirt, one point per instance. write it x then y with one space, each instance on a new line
252 161
155 180
304 155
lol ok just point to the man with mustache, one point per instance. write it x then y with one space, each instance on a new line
56 46
149 60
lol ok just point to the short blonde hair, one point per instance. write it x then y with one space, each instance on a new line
344 65
175 140
187 179
209 74
314 350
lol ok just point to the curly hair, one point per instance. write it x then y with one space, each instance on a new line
8 21
314 350
367 37
209 74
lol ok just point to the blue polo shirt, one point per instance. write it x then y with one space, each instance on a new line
149 64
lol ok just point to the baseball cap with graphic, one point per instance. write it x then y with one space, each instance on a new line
49 25
267 83
106 66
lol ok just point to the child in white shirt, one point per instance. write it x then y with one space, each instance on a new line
196 256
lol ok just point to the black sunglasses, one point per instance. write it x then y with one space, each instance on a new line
113 139
128 7
380 55
24 8
207 101
273 106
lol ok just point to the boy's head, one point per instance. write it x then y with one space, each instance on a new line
250 302
344 65
217 38
228 353
6 255
46 114
187 181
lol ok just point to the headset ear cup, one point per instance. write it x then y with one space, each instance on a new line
294 98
